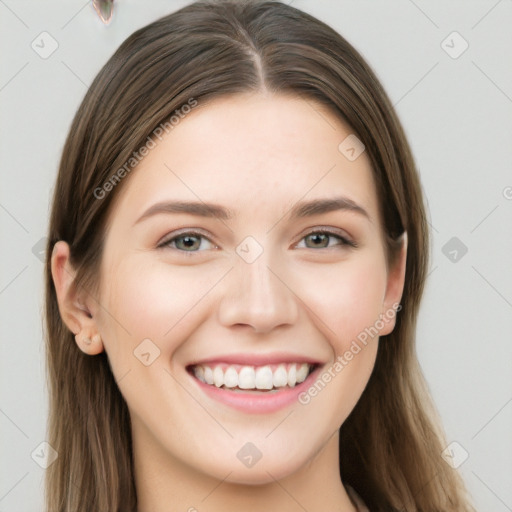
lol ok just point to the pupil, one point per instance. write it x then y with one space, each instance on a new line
188 241
318 235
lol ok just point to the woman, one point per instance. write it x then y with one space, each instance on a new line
259 370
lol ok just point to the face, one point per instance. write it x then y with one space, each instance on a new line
259 294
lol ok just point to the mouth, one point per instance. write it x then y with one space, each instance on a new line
269 378
262 387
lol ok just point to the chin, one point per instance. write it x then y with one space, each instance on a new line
259 474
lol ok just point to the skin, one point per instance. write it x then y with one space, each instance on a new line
257 154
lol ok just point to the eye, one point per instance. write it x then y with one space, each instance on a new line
320 236
186 242
191 241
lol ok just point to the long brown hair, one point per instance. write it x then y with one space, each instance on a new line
391 444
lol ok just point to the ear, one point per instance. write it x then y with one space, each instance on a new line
394 289
73 307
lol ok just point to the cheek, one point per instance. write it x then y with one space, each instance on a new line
145 300
150 299
348 305
346 297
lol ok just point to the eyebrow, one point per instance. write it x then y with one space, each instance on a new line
300 210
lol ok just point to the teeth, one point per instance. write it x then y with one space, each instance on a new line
231 378
280 377
301 373
208 374
250 377
218 376
264 378
247 378
292 375
199 372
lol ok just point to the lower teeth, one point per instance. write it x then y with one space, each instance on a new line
238 390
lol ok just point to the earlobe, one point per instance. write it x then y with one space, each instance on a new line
73 310
394 290
90 345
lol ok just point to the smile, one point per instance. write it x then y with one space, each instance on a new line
240 377
254 388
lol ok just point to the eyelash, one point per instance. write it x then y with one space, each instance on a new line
344 241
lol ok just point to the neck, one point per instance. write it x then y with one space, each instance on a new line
167 484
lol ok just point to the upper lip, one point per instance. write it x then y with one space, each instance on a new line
257 359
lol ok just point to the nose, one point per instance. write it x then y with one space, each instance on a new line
258 295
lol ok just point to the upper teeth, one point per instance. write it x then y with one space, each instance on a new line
253 377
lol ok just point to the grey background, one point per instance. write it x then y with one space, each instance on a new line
457 113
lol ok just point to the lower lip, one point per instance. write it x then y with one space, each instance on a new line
264 402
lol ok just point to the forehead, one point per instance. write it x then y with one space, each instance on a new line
252 151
